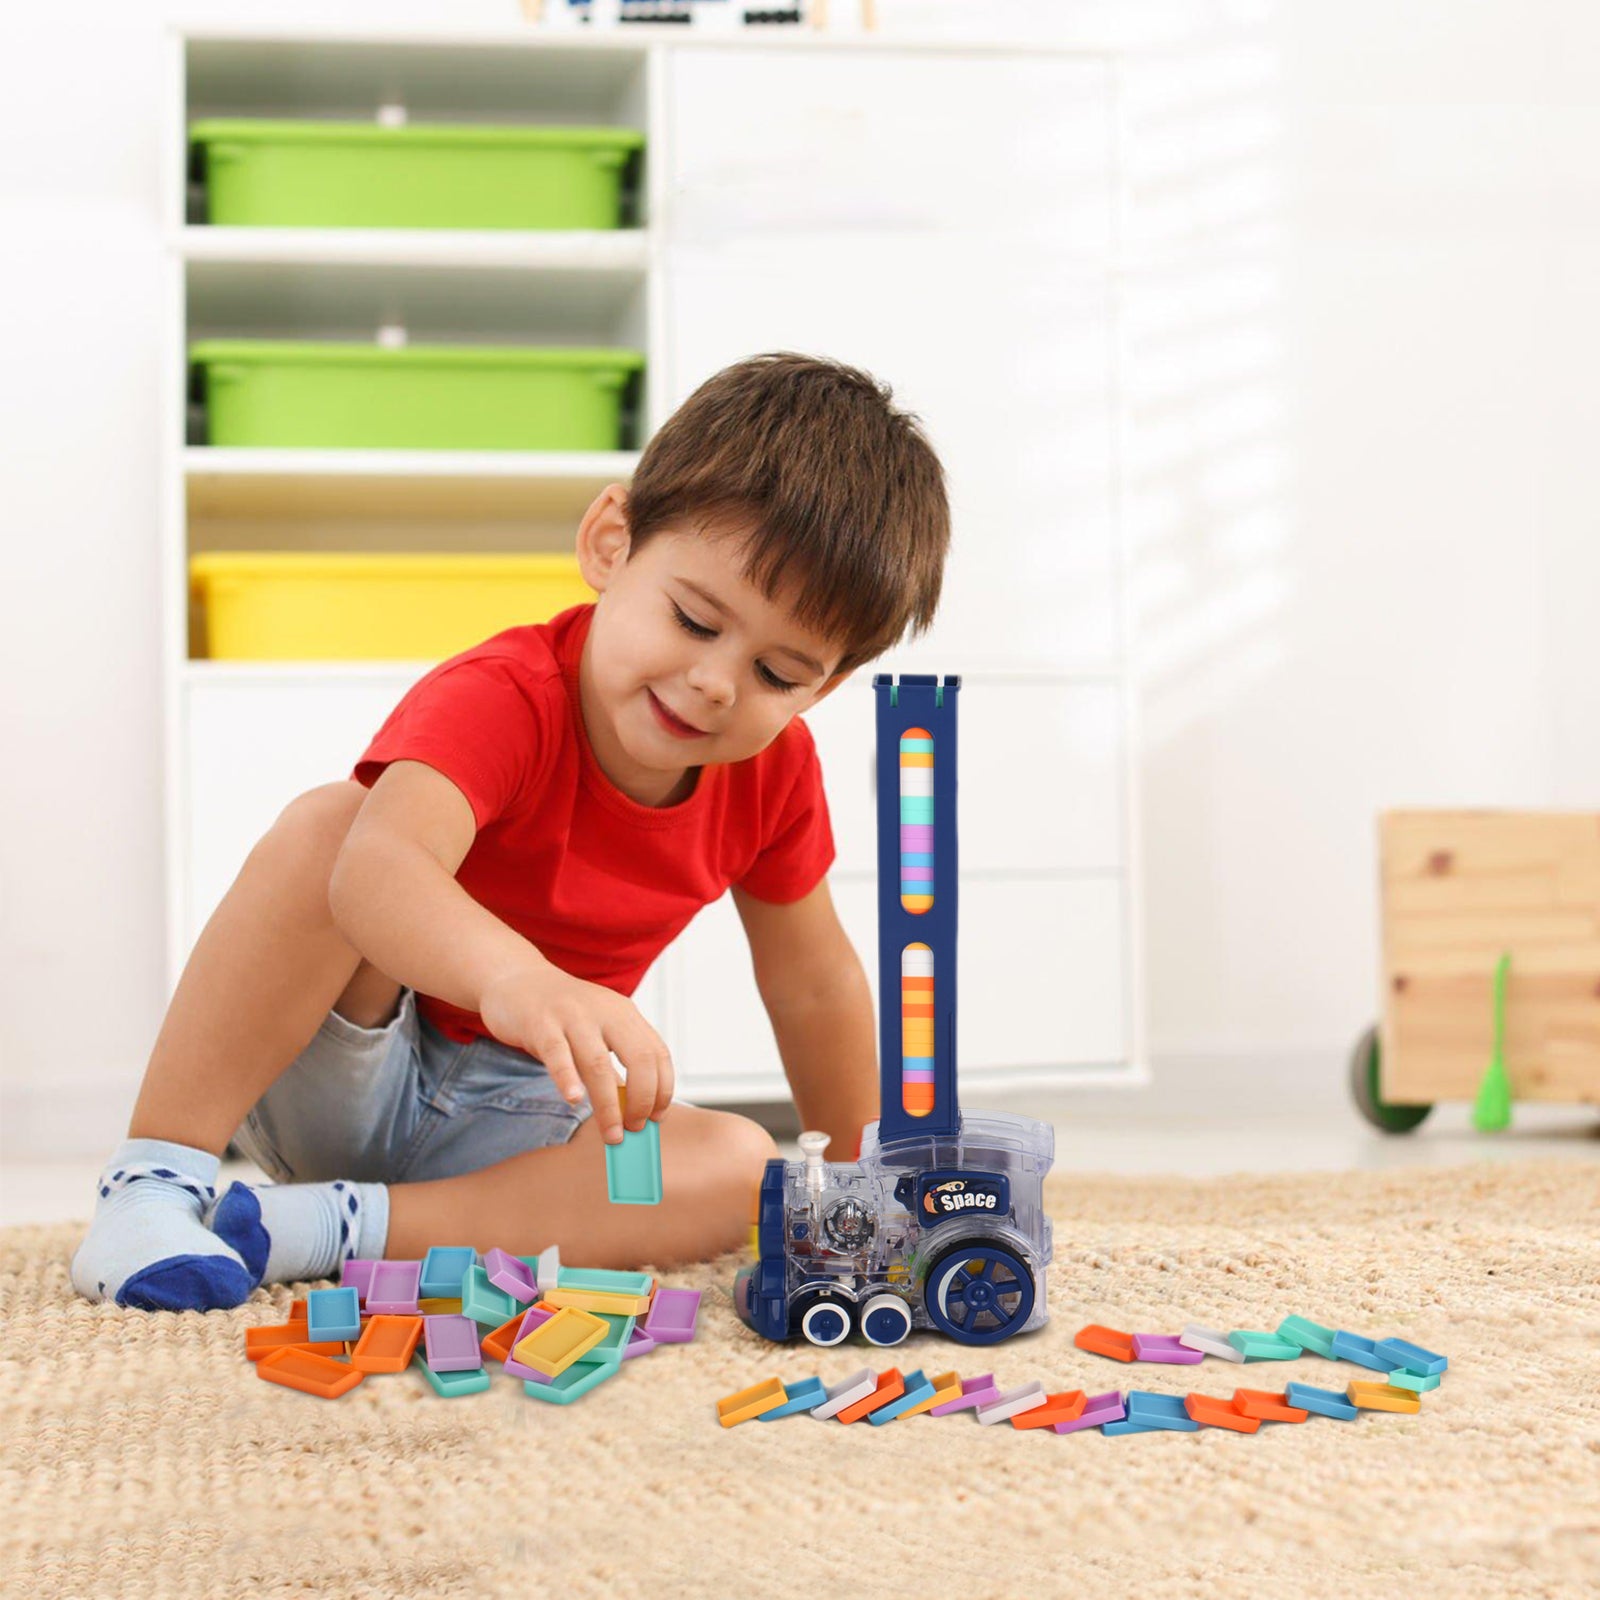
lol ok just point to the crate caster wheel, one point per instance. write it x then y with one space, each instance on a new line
1364 1088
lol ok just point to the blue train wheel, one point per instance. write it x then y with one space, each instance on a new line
885 1319
826 1322
979 1293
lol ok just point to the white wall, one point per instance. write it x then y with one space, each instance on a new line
1362 318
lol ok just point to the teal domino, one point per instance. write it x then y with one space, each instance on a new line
1308 1335
1255 1346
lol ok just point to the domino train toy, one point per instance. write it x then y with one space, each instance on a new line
940 1223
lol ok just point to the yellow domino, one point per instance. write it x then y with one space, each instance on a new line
553 1346
598 1300
1382 1397
946 1386
440 1308
751 1402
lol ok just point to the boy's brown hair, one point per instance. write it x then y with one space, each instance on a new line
832 488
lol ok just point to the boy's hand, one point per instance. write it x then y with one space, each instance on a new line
574 1027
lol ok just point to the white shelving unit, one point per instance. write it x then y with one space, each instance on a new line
944 215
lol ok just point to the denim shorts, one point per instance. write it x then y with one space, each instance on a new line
402 1103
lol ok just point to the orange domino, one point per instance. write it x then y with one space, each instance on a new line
1064 1407
1266 1406
497 1345
1212 1412
946 1386
259 1343
1382 1397
1101 1341
747 1403
297 1310
387 1344
891 1385
297 1367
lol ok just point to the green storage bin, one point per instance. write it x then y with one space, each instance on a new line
269 392
262 173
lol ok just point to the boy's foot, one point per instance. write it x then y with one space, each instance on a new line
289 1232
147 1245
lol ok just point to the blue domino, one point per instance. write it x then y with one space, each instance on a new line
1411 1358
1160 1411
918 1389
333 1314
806 1395
1115 1430
1308 1335
443 1268
1325 1402
1364 1352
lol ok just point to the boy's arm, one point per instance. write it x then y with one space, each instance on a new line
815 991
394 896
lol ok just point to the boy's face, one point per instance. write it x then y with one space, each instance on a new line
687 661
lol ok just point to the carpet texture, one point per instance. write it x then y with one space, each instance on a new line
143 1457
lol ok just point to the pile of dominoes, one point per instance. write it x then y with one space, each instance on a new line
883 1397
561 1330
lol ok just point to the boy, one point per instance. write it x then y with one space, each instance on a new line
405 1008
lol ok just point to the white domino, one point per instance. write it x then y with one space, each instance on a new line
1013 1402
1209 1341
549 1272
856 1387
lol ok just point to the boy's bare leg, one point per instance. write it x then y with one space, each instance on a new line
262 976
259 982
711 1164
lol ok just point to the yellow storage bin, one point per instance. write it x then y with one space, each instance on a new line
281 606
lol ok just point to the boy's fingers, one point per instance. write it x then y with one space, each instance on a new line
649 1067
593 1061
557 1058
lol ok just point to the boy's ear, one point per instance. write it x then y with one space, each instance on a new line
603 542
832 684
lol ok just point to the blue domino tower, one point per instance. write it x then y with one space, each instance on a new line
918 877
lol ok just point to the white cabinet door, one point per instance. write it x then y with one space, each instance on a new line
251 746
1042 986
1040 785
846 213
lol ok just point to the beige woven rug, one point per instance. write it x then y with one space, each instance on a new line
142 1456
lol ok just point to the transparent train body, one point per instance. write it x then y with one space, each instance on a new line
948 1234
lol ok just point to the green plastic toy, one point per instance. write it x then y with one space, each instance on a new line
1491 1110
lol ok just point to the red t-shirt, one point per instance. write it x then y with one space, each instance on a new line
597 882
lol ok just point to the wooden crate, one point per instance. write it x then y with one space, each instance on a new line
1459 888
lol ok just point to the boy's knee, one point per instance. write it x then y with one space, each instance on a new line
325 812
743 1149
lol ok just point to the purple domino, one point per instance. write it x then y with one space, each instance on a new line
672 1316
1165 1347
639 1343
975 1392
394 1288
357 1274
532 1318
505 1272
1098 1409
451 1344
